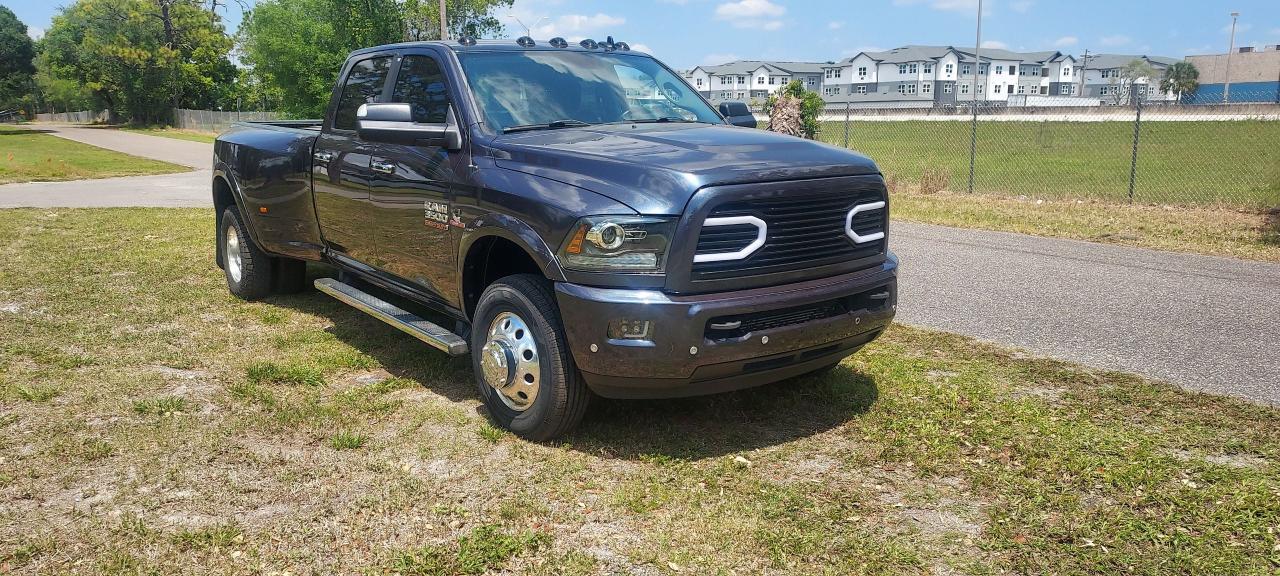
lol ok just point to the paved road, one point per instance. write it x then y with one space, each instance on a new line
183 152
1205 323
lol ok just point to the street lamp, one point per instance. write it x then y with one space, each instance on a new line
528 30
1226 88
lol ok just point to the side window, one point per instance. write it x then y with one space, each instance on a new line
363 86
421 84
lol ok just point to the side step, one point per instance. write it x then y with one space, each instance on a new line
408 323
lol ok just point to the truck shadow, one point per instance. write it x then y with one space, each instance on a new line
684 428
722 424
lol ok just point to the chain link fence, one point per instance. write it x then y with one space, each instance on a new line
215 120
1153 153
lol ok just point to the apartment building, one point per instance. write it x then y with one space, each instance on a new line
1104 78
927 76
747 80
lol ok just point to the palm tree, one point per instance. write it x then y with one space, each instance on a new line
1181 78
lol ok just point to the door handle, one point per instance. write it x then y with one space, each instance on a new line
323 157
383 167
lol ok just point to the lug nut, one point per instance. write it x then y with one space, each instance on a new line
595 348
764 339
693 349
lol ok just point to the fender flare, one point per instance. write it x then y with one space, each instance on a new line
516 231
223 172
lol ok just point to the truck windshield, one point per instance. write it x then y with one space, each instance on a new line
544 89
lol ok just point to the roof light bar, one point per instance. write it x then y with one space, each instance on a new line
525 41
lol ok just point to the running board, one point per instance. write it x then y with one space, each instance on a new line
408 323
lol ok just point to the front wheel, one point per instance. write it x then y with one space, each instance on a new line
523 368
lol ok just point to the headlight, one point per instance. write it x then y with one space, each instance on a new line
618 244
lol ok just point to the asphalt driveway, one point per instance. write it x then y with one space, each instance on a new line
1205 323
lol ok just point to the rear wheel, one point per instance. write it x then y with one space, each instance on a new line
521 360
251 273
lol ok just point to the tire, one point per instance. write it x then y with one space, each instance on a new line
247 268
515 315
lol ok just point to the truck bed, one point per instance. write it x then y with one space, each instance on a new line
310 125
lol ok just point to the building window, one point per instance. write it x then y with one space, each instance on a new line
999 70
950 68
902 68
983 69
946 88
699 82
1022 89
997 88
928 68
862 89
829 73
927 87
966 69
1064 90
862 70
982 88
911 88
914 68
902 88
1066 71
964 88
759 79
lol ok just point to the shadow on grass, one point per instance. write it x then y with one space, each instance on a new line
685 428
712 426
24 131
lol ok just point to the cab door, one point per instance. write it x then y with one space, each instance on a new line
340 163
412 187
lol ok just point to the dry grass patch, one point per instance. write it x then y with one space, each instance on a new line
192 432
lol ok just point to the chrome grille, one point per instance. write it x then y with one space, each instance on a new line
803 232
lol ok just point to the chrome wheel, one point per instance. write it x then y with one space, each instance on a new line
231 254
509 361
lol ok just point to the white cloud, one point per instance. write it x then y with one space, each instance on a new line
759 14
35 32
712 59
944 5
1021 6
995 45
1066 41
1115 40
835 25
641 47
577 26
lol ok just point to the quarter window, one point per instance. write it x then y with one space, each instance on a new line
363 86
421 84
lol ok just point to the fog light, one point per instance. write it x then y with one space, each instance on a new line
630 329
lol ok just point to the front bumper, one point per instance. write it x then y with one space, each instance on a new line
684 357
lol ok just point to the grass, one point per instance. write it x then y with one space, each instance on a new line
28 156
1233 163
170 132
924 453
1218 231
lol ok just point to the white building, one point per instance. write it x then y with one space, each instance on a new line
746 80
1104 78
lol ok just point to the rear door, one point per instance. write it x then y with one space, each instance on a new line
340 163
411 186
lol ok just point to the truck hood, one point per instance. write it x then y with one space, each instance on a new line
656 168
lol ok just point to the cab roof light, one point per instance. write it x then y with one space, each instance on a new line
559 42
525 41
467 40
589 44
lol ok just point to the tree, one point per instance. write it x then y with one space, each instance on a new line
141 58
1122 85
807 103
466 18
1180 78
16 55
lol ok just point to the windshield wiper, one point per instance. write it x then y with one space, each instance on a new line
570 123
654 120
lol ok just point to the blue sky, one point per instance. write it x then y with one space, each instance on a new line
685 33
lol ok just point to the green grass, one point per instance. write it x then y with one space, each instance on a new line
1233 163
169 132
1217 231
924 453
27 155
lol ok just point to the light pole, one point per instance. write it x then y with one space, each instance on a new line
973 128
1226 88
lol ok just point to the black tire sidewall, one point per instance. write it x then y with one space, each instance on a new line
255 266
556 366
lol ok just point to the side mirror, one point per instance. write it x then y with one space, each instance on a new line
738 114
393 123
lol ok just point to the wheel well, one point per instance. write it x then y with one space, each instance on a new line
222 198
489 259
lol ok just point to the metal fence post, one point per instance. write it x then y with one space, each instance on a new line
846 123
1137 132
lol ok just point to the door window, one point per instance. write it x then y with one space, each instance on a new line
420 83
363 86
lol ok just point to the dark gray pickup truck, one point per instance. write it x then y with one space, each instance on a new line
584 219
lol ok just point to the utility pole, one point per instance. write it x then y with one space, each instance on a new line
1226 88
1084 69
444 21
973 127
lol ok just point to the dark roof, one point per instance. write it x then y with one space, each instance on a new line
918 53
1105 61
